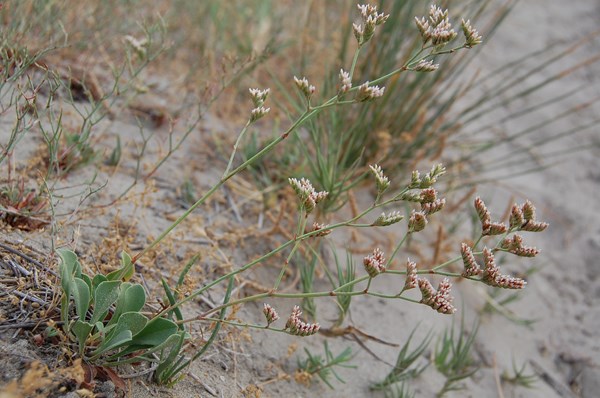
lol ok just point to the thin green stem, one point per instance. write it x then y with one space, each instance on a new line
301 228
396 249
235 148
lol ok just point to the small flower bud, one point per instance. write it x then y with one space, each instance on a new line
139 46
368 93
528 210
494 228
307 89
534 226
471 266
516 219
258 113
433 207
492 276
295 326
411 275
322 228
415 179
270 314
371 19
380 179
388 219
441 301
417 221
259 96
345 81
482 211
307 194
472 37
424 29
374 263
426 66
428 195
411 197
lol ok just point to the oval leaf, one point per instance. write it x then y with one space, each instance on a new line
81 330
125 272
105 295
81 295
156 331
69 265
131 299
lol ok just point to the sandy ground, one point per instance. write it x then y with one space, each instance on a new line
562 347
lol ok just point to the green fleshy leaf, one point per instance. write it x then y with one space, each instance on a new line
168 356
119 339
81 296
81 330
97 280
131 322
105 295
125 272
68 268
132 298
172 301
156 331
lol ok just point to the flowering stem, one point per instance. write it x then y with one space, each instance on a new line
301 228
235 148
354 60
477 241
396 249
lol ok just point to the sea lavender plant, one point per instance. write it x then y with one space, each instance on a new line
419 191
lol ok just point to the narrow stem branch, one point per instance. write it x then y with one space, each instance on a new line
235 148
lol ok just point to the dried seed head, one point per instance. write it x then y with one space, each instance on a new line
388 219
492 276
295 326
374 263
426 66
380 179
345 81
368 93
471 266
411 275
322 228
516 219
472 37
417 221
270 314
307 89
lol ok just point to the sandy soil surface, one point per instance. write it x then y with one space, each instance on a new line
562 346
